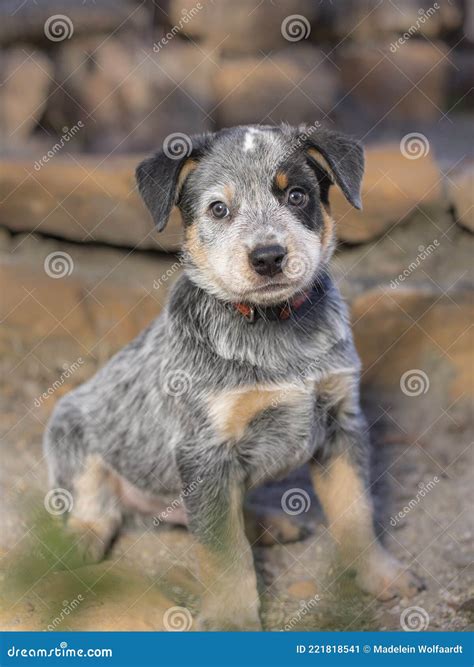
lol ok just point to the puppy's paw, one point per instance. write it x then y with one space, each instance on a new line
384 577
243 619
90 543
234 607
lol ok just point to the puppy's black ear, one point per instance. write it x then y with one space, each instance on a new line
160 178
344 158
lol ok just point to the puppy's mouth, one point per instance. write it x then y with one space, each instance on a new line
268 288
270 293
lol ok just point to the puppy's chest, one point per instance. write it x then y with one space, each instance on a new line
234 412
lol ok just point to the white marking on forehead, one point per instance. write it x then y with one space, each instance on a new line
249 143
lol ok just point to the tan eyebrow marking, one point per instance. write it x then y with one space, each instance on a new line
229 192
187 168
281 179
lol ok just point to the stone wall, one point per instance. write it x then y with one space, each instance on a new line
89 88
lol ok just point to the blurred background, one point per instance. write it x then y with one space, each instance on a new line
87 89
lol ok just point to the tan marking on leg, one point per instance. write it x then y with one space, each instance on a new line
96 513
347 505
281 180
348 508
233 411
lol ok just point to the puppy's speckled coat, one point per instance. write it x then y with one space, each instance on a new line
205 403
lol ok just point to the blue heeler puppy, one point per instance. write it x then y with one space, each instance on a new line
248 373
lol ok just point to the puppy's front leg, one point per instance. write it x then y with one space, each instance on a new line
213 494
340 478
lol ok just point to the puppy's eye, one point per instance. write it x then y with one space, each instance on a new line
219 210
296 197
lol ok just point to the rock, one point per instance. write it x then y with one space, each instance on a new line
366 21
461 80
92 296
427 252
126 101
468 23
81 199
26 77
467 606
94 199
96 597
20 21
416 350
461 195
295 85
408 84
393 187
303 590
424 334
178 59
249 26
5 239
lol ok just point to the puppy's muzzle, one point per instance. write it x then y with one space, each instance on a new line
267 260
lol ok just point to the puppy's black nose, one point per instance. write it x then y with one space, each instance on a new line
267 260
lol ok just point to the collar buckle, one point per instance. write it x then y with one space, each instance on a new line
246 311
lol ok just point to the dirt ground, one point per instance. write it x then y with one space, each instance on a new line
421 456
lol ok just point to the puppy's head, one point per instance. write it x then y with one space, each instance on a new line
255 206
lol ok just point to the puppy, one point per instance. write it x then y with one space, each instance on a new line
249 372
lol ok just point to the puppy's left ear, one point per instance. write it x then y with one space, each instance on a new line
160 178
343 158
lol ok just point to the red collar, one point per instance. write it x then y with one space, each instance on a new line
282 312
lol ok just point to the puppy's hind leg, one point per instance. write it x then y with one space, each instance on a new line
96 513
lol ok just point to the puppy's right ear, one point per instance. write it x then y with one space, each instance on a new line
160 178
